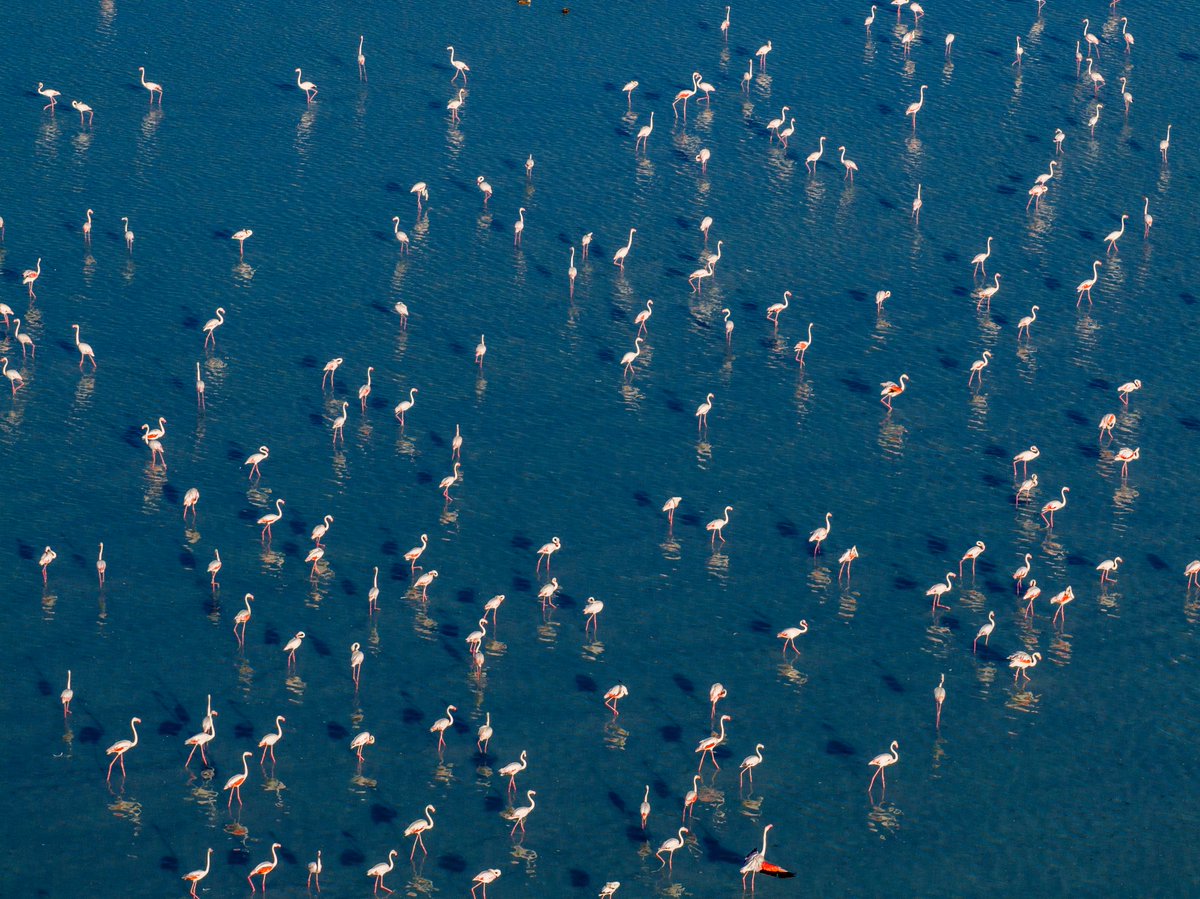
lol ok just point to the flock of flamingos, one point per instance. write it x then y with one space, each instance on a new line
1088 53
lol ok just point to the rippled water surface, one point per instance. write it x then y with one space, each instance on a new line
1077 781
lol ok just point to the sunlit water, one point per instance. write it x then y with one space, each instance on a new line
1078 781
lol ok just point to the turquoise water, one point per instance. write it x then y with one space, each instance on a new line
1077 781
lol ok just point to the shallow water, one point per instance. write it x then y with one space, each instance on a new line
1077 781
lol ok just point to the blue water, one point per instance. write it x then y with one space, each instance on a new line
1077 781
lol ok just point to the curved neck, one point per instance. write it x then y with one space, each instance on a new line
133 727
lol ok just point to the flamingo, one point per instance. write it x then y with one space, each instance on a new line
644 316
214 567
48 556
728 326
914 108
1059 137
1126 36
776 309
749 763
1046 176
310 89
643 138
1090 39
850 164
1108 568
1021 661
1164 145
314 870
1147 218
1019 53
702 412
383 869
194 877
26 342
363 740
670 846
492 605
362 60
512 769
1125 455
883 761
845 561
210 326
339 425
811 160
484 188
1032 593
937 591
1087 284
705 155
949 44
418 827
200 740
1126 95
1127 388
627 90
460 67
262 869
761 53
50 94
1025 457
802 346
329 371
480 351
716 693
85 350
1192 572
685 95
483 878
404 405
986 293
1025 489
978 366
1022 571
401 236
1055 505
717 526
118 749
241 236
819 536
292 645
892 389
422 583
440 726
67 695
572 271
789 634
87 228
623 252
870 20
1026 321
985 631
756 863
243 618
519 815
151 86
271 517
546 551
972 554
254 459
725 26
365 390
775 124
690 798
83 109
519 227
356 661
1107 423
1113 236
707 746
916 206
416 552
449 481
30 275
939 697
455 104
614 695
421 189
